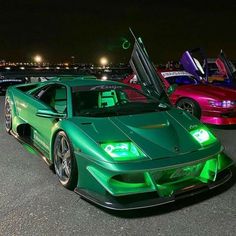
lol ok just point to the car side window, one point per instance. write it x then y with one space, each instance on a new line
55 97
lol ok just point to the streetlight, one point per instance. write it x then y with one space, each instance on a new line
103 61
38 59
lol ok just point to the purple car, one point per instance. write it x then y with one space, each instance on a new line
219 72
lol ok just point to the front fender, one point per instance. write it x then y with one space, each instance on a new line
80 141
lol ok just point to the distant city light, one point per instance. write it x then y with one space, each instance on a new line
38 59
104 77
73 59
103 61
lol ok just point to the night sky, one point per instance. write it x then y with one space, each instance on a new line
59 29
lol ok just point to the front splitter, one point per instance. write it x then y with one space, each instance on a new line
146 200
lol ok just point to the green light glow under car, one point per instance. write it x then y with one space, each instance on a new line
203 136
163 181
122 151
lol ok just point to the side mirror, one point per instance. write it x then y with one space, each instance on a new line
171 89
50 114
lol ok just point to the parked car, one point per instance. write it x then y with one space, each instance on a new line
6 82
211 104
117 152
14 76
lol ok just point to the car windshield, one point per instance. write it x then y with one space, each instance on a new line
182 80
112 100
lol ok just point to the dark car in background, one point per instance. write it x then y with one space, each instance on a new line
20 75
15 75
6 82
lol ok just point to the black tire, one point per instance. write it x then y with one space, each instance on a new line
8 116
64 161
190 106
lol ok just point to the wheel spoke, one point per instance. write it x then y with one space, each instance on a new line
60 171
67 154
8 116
59 154
187 107
67 169
62 145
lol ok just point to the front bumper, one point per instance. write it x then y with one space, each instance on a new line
139 201
134 188
219 117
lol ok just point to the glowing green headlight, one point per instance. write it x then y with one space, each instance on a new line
203 136
123 151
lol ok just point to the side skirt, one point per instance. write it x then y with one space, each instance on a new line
28 142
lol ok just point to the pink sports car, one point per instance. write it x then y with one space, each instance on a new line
211 104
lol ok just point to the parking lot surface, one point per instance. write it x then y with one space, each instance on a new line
32 202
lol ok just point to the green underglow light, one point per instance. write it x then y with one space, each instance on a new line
30 149
203 136
122 150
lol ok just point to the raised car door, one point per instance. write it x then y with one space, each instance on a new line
146 72
193 66
228 67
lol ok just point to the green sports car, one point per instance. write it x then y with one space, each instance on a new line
118 152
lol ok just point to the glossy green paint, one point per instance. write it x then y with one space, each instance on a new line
159 151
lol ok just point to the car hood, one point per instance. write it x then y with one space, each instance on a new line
215 92
158 135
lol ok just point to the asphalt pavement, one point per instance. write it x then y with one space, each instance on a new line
32 202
